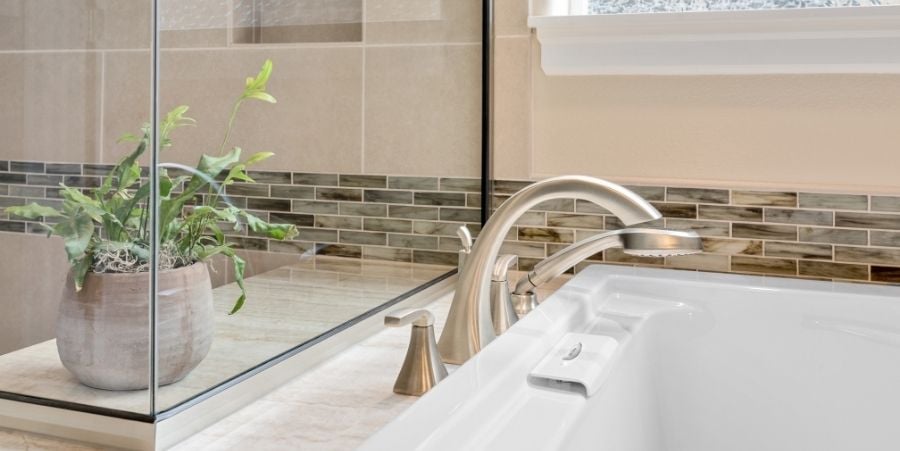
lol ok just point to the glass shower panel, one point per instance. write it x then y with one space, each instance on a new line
74 77
322 155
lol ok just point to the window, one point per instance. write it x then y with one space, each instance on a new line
685 37
671 6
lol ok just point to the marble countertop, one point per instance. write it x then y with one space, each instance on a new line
335 406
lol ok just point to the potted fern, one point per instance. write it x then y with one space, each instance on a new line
103 322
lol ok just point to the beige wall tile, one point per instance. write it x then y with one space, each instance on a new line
45 115
315 126
343 32
511 17
75 24
32 287
779 131
126 101
309 12
12 24
213 37
423 110
512 108
402 21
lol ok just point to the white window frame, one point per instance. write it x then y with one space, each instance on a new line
782 41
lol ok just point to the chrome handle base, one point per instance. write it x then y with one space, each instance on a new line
422 368
524 303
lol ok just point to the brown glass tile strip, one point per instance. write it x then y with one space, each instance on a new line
676 210
343 194
764 231
733 247
650 193
883 238
889 274
413 183
338 222
804 217
699 195
440 199
831 270
306 178
341 250
867 220
872 255
388 197
367 238
293 192
316 207
764 265
270 177
546 235
798 250
703 228
834 201
387 225
362 181
460 184
574 221
410 212
830 235
730 213
764 198
362 209
886 203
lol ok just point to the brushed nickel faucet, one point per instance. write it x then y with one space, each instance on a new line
469 326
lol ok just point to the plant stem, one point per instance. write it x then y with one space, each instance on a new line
234 111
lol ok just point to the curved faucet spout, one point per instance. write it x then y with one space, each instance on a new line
469 327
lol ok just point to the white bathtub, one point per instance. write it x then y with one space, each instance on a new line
705 362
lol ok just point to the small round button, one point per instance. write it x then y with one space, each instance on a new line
573 352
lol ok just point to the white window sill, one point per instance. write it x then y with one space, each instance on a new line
789 41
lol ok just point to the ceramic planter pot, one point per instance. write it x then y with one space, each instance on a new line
102 332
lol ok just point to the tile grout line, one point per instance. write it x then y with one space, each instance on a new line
101 139
363 100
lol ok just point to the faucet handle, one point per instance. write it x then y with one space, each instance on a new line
503 315
502 267
465 237
417 317
422 368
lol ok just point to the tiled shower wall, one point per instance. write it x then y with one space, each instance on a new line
414 219
362 86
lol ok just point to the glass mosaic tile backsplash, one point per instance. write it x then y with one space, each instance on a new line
833 236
